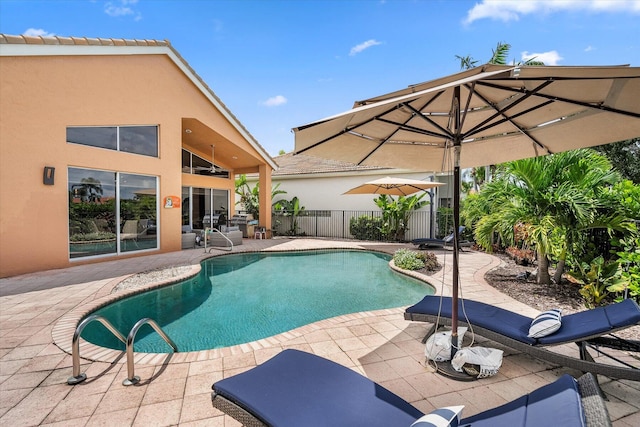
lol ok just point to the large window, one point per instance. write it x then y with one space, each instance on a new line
111 212
130 139
194 164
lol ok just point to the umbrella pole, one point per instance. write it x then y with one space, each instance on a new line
445 369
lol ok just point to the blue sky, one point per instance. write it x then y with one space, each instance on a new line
279 64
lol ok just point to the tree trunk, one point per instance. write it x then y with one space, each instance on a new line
557 277
543 276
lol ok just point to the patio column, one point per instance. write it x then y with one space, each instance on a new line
264 179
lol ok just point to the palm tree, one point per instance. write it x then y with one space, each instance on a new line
498 57
553 199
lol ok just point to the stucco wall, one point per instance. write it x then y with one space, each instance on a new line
325 191
41 96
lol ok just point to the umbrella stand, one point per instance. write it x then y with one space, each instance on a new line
445 368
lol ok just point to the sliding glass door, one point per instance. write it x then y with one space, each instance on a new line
203 207
111 212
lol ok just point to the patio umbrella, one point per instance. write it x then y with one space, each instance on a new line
486 115
393 186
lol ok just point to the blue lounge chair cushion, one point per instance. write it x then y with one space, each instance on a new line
487 316
556 404
295 388
575 327
312 391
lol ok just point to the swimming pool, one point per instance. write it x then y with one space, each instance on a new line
241 298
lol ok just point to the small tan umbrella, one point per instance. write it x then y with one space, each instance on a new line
393 186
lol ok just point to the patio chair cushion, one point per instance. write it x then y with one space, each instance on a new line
555 404
307 386
442 417
545 323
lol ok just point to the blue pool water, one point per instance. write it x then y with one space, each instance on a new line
246 297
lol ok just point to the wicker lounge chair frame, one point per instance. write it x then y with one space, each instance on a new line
591 398
425 243
584 363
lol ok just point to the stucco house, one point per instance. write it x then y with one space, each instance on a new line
108 147
319 184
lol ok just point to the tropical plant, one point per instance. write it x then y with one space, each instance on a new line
89 190
444 220
290 208
250 197
552 199
596 279
629 260
625 155
396 213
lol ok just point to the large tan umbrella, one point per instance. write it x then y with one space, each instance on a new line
393 186
486 115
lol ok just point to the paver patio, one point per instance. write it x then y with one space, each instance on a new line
176 390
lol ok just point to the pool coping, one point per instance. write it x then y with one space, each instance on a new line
64 329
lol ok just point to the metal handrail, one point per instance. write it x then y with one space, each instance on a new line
75 346
211 230
132 378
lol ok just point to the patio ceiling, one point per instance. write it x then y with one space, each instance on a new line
198 137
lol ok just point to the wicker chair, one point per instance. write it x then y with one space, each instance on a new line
295 388
586 329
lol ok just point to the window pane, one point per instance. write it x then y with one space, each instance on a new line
201 166
103 137
186 207
198 206
138 212
186 161
92 212
139 140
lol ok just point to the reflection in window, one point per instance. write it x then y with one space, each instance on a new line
138 208
139 140
103 137
130 139
92 212
95 228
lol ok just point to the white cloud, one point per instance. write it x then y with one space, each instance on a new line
549 58
589 48
362 46
121 8
37 32
275 101
512 10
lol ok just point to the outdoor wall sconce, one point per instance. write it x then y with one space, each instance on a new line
47 175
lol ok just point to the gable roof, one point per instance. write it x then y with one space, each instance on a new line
301 164
11 45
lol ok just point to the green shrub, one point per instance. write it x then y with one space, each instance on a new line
408 260
365 227
430 260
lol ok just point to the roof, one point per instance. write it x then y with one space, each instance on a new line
301 164
12 45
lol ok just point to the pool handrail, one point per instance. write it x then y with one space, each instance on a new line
78 377
211 230
131 376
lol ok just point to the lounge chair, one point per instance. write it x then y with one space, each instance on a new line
296 389
585 328
425 243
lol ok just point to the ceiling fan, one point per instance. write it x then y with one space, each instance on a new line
211 169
